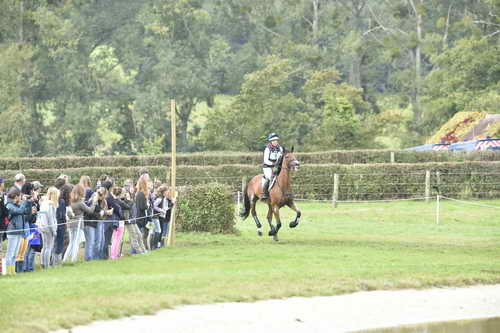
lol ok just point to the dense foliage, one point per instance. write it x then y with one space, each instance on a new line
95 77
356 181
207 208
250 159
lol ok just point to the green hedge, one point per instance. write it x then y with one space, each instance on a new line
255 159
206 208
357 182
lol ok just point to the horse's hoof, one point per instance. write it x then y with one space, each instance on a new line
272 232
293 224
259 232
275 237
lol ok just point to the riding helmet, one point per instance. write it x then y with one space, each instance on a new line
272 137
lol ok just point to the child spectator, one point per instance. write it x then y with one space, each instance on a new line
34 246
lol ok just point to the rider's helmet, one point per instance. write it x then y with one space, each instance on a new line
272 137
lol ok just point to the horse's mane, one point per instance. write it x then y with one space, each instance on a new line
280 161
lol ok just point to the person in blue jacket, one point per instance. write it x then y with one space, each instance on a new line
18 227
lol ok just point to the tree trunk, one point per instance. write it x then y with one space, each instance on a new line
315 22
183 115
418 60
21 25
355 71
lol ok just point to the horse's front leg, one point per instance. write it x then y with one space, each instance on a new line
276 211
295 222
272 229
255 218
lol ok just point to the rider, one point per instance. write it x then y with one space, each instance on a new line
272 154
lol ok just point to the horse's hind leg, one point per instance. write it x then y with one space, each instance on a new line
255 218
295 222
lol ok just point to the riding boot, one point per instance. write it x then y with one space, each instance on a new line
265 194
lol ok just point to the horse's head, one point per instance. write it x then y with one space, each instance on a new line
290 162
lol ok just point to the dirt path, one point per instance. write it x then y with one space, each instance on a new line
342 313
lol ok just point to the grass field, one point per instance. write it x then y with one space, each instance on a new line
351 248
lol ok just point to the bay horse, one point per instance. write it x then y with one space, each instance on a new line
279 195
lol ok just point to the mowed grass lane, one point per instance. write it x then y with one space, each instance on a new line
354 247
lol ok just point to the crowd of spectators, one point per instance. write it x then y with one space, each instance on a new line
55 221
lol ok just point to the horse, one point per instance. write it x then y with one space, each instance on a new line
279 195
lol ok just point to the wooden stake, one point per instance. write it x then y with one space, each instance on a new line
171 229
335 190
427 186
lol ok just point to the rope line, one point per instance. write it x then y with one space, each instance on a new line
469 203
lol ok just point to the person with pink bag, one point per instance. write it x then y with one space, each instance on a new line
119 229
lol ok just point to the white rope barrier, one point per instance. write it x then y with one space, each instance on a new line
363 201
469 202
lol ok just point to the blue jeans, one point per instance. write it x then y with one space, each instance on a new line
13 244
29 260
164 227
108 235
99 240
90 242
61 234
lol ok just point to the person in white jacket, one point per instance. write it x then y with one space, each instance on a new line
272 154
47 224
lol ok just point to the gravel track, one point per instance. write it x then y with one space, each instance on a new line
343 313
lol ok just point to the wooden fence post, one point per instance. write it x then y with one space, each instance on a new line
335 190
393 159
427 185
173 177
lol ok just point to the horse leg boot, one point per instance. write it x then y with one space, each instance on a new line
295 222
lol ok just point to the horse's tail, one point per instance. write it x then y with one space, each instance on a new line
246 200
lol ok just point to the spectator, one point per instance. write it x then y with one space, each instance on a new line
164 203
64 177
100 241
29 218
116 240
34 246
47 222
17 228
80 208
20 180
113 220
134 234
143 205
4 213
64 202
86 183
59 183
74 227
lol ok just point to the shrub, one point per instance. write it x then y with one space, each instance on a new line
206 208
